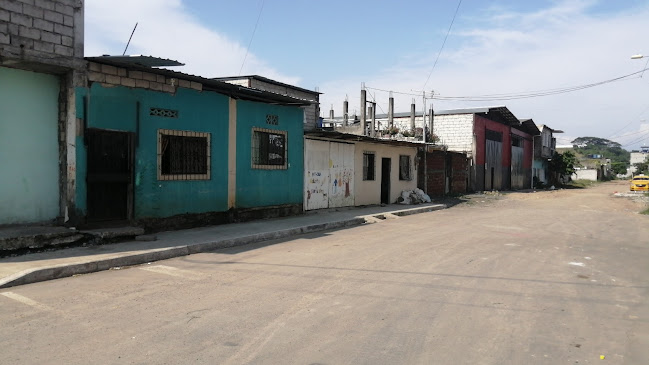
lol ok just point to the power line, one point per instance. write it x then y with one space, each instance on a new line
251 37
523 95
443 43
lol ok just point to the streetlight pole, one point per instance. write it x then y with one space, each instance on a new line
639 56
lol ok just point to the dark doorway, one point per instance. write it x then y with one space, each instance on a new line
109 178
385 180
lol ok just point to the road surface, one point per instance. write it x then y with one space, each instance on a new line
557 277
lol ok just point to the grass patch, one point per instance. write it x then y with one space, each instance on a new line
646 211
581 184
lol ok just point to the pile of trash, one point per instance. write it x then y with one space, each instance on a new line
416 196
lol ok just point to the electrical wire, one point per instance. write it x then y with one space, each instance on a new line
443 43
522 95
251 37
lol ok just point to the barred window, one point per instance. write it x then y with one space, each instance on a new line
405 172
183 155
269 149
368 166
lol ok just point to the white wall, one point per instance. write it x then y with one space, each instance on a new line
455 131
369 191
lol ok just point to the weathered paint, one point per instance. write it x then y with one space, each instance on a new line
316 174
29 146
329 174
341 175
518 172
232 153
260 187
369 191
115 108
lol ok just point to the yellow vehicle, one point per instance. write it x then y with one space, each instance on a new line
640 183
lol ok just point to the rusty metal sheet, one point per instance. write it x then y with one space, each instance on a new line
493 165
518 173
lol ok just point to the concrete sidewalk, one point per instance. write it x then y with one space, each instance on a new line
50 265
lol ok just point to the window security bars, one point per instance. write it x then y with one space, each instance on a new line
269 149
405 172
183 155
368 166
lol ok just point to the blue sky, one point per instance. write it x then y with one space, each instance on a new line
493 47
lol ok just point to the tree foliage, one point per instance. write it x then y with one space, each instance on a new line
562 166
600 146
595 141
641 168
618 168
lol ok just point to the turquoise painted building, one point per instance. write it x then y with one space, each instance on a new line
159 144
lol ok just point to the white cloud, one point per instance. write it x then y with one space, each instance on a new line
166 29
559 46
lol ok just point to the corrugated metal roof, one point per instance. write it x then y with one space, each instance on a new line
359 138
265 79
234 91
140 60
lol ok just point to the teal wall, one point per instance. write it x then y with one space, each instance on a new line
115 108
29 148
258 188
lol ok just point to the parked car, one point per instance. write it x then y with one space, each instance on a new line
640 183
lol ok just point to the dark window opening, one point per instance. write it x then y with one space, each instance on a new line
368 166
269 149
404 168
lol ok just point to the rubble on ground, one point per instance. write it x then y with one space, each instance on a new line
416 196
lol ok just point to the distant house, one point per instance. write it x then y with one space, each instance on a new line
41 61
163 146
639 157
311 111
545 145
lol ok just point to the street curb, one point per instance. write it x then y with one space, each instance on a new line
66 270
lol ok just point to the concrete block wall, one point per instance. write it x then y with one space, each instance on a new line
48 32
117 76
455 131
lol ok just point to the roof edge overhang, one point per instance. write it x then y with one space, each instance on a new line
234 91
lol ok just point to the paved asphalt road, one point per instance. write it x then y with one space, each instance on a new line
540 278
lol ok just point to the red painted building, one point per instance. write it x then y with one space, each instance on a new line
500 147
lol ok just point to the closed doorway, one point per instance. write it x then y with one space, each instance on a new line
110 170
385 180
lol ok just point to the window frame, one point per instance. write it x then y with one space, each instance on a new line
366 166
409 177
190 134
255 149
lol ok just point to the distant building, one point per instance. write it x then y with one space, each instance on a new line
311 112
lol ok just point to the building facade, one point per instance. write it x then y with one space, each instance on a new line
41 62
311 112
544 148
349 170
162 146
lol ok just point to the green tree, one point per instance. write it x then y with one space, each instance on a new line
618 168
562 166
641 168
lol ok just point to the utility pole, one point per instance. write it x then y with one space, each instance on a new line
363 108
346 111
391 111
